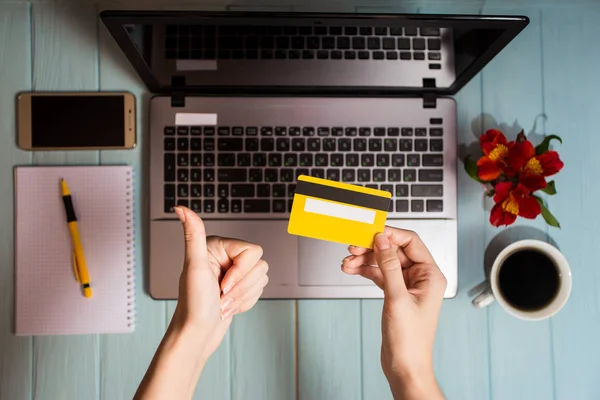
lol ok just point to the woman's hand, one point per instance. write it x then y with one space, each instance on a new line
413 287
221 277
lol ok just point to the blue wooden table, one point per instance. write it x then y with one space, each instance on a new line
313 350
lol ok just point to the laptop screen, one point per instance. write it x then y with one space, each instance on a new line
308 53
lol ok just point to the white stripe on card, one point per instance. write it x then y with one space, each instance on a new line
339 211
195 119
196 65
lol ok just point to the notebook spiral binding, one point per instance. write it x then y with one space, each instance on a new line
130 218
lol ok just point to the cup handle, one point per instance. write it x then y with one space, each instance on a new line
484 298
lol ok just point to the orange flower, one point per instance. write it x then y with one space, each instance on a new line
512 202
533 169
495 147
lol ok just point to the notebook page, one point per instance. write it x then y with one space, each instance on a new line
49 300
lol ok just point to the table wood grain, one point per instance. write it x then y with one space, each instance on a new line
545 82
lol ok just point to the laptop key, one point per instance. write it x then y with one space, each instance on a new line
383 160
433 160
393 131
333 174
359 43
251 144
381 30
348 175
388 43
405 55
420 131
410 175
379 175
230 144
417 206
196 175
314 145
373 43
267 144
169 130
271 175
223 131
336 55
287 175
322 55
344 145
257 206
401 190
183 202
429 31
279 190
169 144
183 130
323 131
407 131
169 196
209 206
351 160
262 190
360 144
394 175
367 160
413 160
337 160
223 205
363 55
364 131
209 190
436 145
427 190
434 56
169 167
374 144
420 144
403 44
379 132
236 206
318 173
290 160
279 206
196 190
297 43
298 144
226 160
182 175
410 31
223 191
292 188
406 144
209 160
283 144
251 131
436 131
294 54
388 188
275 159
418 44
209 144
391 55
237 131
418 55
343 43
378 55
364 175
350 55
366 30
401 205
259 160
390 144
195 144
431 175
255 175
306 160
182 144
232 175
328 43
308 54
196 206
372 186
246 190
397 160
243 160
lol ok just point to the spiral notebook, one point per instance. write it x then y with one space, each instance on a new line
48 299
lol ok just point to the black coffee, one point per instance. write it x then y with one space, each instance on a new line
529 280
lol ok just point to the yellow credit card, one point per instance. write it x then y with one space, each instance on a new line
338 212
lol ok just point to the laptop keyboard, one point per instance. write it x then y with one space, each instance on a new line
303 42
253 169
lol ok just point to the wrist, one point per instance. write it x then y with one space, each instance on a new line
189 337
414 384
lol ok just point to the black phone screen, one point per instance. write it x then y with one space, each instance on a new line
77 121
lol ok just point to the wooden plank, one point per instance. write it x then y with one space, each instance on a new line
520 352
65 58
571 98
263 352
120 372
15 64
329 355
215 380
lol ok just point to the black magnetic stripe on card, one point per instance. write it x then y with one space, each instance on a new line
69 208
342 196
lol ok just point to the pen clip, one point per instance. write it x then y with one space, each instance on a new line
75 268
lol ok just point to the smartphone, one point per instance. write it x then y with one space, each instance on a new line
76 120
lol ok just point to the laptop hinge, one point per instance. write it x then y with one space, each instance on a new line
429 98
177 93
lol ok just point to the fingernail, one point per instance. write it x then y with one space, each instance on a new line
180 214
382 242
347 259
226 303
227 313
228 287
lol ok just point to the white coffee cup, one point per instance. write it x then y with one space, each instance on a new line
493 292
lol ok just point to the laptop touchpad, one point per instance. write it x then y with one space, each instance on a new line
320 264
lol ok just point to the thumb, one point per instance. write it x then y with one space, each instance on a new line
194 236
386 255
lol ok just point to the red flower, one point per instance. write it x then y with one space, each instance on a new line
494 162
532 169
512 202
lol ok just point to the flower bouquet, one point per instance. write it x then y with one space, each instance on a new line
512 173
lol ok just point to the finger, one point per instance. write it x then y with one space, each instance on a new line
386 254
238 257
249 299
357 251
194 235
369 259
254 276
366 271
410 243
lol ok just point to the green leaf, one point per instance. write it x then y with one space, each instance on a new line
490 193
471 169
550 188
543 147
548 217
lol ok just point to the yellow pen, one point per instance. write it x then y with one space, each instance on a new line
79 265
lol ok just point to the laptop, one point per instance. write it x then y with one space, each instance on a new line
244 103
